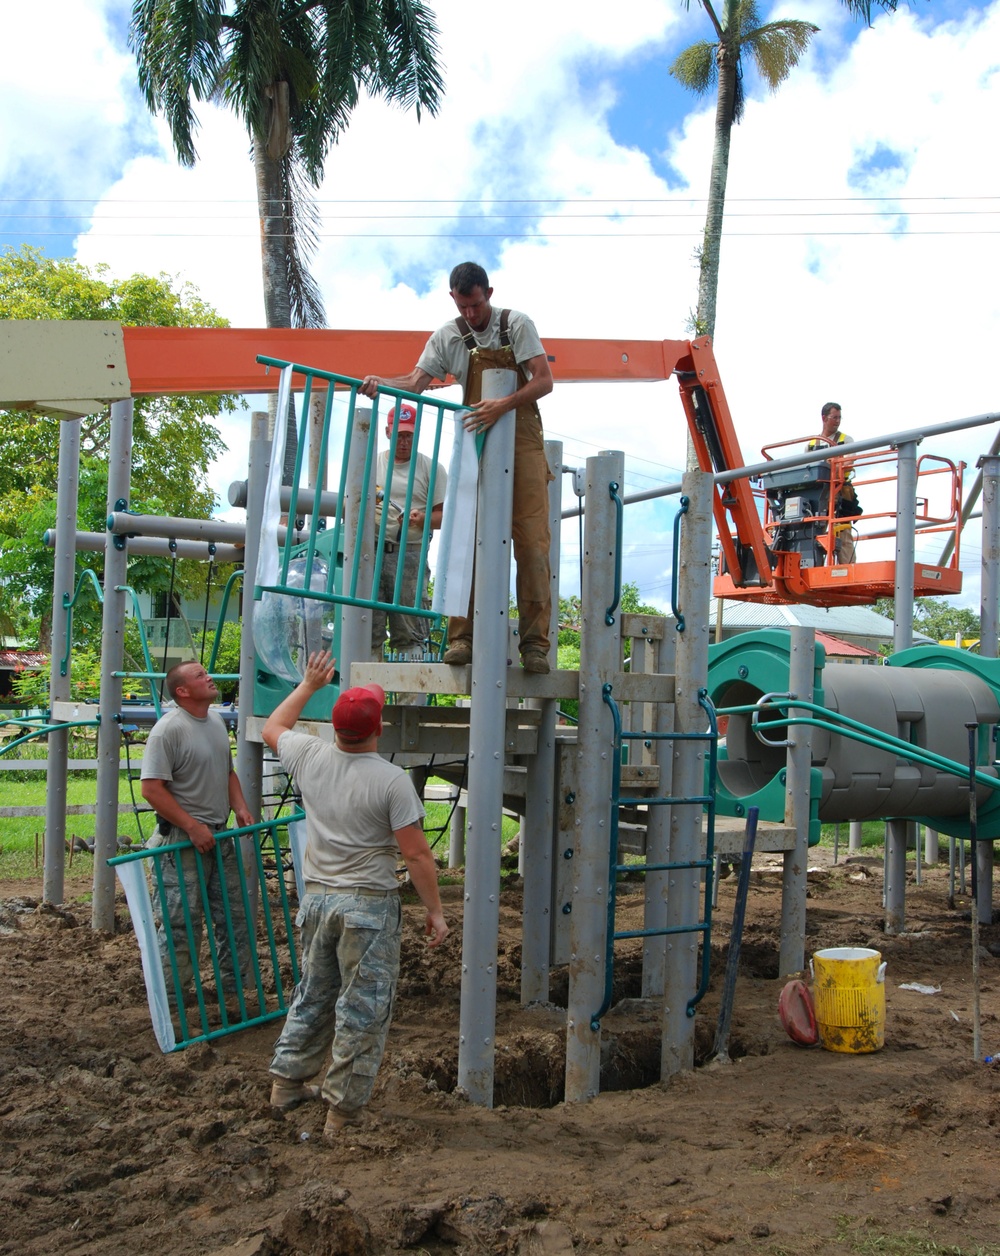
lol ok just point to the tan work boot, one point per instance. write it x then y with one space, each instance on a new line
459 654
337 1121
287 1094
536 661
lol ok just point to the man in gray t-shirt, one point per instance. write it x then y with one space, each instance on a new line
361 813
189 781
483 338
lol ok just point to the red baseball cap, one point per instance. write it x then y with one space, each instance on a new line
357 713
407 417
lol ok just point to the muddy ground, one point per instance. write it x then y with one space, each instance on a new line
107 1146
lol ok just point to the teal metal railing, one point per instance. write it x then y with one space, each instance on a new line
343 586
249 989
706 801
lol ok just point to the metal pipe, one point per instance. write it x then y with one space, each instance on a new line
906 514
695 586
359 533
989 632
854 841
121 523
249 755
895 875
600 655
970 501
538 829
64 571
801 673
807 459
486 755
154 547
112 659
237 496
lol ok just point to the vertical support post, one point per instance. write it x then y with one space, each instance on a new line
989 640
654 951
600 655
854 842
456 837
538 827
112 658
795 862
932 846
477 1021
54 858
896 833
695 591
906 524
248 755
359 531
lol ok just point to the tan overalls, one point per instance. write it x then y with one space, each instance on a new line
530 522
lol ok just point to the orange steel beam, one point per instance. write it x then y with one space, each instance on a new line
164 360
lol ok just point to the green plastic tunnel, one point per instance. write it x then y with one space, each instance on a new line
923 696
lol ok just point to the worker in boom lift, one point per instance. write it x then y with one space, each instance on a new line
845 506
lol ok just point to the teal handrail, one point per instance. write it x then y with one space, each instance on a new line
682 509
69 603
44 730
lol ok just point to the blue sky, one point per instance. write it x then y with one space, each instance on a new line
861 229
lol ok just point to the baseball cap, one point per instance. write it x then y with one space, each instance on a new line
407 417
357 713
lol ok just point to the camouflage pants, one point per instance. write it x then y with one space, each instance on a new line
407 633
225 906
343 1003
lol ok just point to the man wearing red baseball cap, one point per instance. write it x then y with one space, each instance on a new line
407 633
362 813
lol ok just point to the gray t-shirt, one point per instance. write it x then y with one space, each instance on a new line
445 353
353 804
194 757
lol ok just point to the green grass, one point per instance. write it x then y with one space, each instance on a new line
867 1241
27 789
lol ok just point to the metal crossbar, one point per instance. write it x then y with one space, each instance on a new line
343 586
204 895
707 801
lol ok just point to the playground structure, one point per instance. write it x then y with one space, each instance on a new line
660 709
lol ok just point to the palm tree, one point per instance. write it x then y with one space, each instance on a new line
775 48
292 70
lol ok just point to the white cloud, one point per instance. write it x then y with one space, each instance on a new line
900 330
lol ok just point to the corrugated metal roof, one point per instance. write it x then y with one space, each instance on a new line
22 660
840 621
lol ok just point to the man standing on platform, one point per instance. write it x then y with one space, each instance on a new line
484 338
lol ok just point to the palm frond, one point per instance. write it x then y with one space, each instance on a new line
696 68
863 8
777 47
302 223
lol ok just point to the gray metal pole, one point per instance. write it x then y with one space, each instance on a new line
795 862
932 845
359 530
989 632
112 658
538 829
237 496
121 524
854 843
249 755
54 857
157 547
970 501
477 1022
906 522
654 951
600 658
683 905
895 875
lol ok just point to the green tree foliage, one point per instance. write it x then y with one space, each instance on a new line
292 72
175 438
936 617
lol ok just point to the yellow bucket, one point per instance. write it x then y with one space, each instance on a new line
849 996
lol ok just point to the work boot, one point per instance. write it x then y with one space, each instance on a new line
337 1121
459 654
536 661
287 1094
